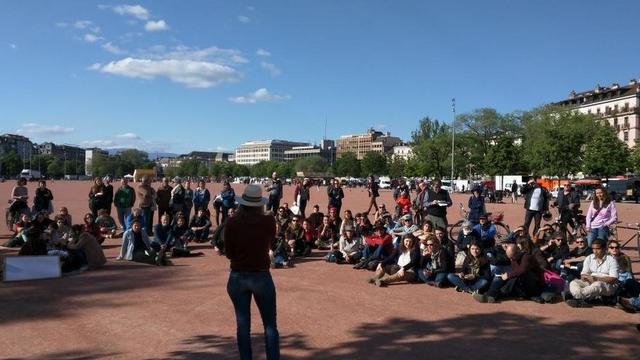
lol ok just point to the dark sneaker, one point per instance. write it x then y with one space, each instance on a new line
491 300
479 297
538 300
577 303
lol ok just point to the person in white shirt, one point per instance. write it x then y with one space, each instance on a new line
599 277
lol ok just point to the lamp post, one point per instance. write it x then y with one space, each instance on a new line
453 138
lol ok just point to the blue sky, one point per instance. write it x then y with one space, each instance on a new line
203 75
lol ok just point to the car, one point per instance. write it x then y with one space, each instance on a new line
384 182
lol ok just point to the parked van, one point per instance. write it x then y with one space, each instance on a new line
30 175
384 182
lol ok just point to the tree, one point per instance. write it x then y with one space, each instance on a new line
397 167
433 155
605 154
634 159
55 168
312 164
41 162
374 163
503 157
554 140
427 130
348 165
11 163
102 165
188 167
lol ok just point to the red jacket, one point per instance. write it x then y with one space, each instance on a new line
386 240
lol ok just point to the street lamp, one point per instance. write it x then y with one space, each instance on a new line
453 138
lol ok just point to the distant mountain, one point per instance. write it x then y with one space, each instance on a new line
152 155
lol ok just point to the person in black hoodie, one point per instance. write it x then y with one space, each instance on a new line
436 262
42 199
400 265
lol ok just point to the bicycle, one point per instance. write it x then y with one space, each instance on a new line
636 227
502 229
579 229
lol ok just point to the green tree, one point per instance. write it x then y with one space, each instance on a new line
427 130
348 165
605 154
503 157
434 155
41 162
11 163
397 167
55 168
634 159
102 165
554 139
188 167
374 163
312 164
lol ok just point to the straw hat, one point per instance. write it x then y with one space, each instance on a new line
252 196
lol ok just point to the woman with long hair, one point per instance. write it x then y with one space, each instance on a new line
400 265
248 237
601 215
475 273
96 197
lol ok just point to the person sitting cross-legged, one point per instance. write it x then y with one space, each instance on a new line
136 245
200 225
525 280
376 247
436 262
400 265
475 274
599 277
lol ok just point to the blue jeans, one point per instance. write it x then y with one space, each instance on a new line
473 285
434 279
599 233
241 287
123 213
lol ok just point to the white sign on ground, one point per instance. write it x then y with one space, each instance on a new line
17 268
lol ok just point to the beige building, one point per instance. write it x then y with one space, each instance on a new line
402 152
360 144
253 152
618 104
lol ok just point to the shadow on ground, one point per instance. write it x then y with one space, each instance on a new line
71 355
479 336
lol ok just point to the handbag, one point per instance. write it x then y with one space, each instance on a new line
553 279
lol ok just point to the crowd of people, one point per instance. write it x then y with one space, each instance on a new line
407 243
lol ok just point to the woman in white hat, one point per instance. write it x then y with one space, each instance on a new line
248 236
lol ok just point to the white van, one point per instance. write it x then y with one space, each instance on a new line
384 182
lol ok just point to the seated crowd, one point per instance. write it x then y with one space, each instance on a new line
410 245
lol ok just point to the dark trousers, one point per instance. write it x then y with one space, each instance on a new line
241 287
272 205
302 206
372 203
566 218
147 213
536 216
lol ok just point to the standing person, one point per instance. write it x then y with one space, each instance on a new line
274 188
177 196
124 200
228 196
96 197
601 215
188 199
565 209
536 203
163 198
372 189
248 237
476 206
420 204
108 194
302 195
336 195
397 193
147 203
201 196
439 201
514 192
42 199
19 197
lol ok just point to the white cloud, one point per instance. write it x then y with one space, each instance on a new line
213 54
95 67
271 68
136 11
263 52
193 74
90 38
119 142
36 129
156 25
260 95
244 19
82 24
112 48
130 136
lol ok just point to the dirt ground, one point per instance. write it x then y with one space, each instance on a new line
325 311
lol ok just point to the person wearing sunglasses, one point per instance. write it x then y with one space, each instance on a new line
624 262
571 266
599 277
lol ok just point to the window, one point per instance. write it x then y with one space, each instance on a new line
615 122
626 121
589 111
598 111
626 136
626 106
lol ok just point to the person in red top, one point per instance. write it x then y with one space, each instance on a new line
404 203
248 236
376 247
309 236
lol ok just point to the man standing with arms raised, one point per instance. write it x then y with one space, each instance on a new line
274 188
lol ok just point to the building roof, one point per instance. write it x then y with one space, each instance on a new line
602 93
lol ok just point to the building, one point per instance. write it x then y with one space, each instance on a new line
372 140
253 152
204 157
402 152
89 154
618 104
326 150
20 144
62 152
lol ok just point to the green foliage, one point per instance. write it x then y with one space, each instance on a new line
427 130
312 164
503 157
634 159
374 163
41 162
397 167
348 165
605 154
55 168
188 167
102 165
11 163
434 154
264 168
554 140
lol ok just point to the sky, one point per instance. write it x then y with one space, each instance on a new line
177 76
